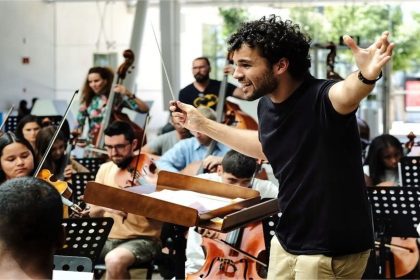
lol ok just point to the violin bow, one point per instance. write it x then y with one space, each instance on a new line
44 157
7 116
146 123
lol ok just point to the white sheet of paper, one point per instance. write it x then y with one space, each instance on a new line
199 201
71 275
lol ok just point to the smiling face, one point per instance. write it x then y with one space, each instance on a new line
254 74
96 82
16 161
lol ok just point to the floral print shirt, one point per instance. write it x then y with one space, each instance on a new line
94 113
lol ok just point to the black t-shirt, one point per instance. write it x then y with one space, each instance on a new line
315 155
209 97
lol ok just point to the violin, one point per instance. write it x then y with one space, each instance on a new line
114 114
61 186
142 170
240 254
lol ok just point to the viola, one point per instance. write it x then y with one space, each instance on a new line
142 170
240 254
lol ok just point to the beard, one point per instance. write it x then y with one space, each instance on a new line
124 163
266 85
202 78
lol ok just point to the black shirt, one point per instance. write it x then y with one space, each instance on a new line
315 153
209 97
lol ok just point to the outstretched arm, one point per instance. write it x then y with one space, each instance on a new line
346 95
242 140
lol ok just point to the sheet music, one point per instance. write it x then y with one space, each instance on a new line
199 201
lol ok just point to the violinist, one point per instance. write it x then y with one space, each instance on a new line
57 162
16 157
94 100
133 239
236 169
308 133
190 151
30 228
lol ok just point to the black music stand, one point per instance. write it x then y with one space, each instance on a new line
55 120
85 237
409 170
92 164
395 214
79 181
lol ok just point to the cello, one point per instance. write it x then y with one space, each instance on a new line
114 114
239 254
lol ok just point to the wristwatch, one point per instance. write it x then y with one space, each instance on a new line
366 81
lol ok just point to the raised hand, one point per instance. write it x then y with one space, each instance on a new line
371 60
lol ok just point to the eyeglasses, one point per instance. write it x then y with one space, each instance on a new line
118 147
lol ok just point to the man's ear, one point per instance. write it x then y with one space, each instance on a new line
219 170
281 66
134 144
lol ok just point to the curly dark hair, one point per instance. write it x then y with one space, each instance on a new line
275 39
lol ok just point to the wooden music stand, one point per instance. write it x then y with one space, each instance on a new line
395 214
224 219
85 237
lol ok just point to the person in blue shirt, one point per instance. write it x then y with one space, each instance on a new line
187 154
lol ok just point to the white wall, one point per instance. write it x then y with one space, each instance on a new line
26 30
61 38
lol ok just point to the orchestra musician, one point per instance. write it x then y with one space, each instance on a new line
381 165
58 162
308 133
94 100
28 128
133 239
191 150
204 91
236 169
31 231
381 169
16 157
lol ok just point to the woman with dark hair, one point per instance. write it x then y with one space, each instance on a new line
27 128
56 161
95 94
381 165
16 157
